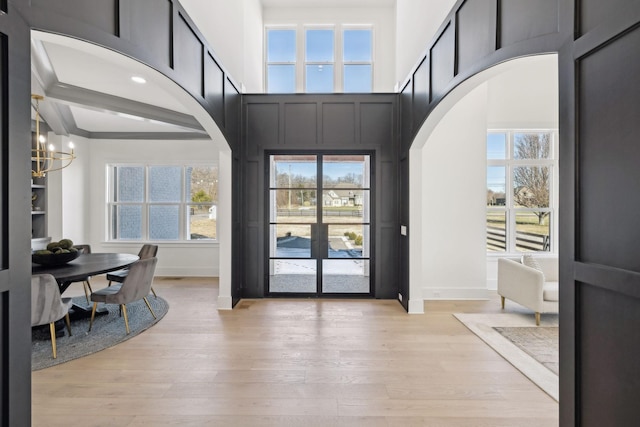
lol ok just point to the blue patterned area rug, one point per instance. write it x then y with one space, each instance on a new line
108 330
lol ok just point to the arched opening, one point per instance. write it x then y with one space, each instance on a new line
448 167
112 120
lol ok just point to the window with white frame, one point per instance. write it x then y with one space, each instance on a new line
281 60
319 60
162 202
520 187
357 59
331 59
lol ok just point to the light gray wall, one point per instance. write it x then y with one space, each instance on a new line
416 23
234 30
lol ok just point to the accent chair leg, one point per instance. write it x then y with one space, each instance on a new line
93 315
537 318
126 319
87 286
67 320
154 292
502 301
86 291
52 330
149 307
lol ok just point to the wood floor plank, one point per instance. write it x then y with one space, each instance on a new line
292 362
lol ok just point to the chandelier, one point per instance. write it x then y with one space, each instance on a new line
45 158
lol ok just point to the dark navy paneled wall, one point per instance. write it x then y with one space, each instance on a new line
320 123
15 221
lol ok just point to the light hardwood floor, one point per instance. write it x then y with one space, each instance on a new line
285 362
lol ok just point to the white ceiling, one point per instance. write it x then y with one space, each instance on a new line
89 92
327 3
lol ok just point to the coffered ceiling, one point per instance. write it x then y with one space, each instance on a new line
88 91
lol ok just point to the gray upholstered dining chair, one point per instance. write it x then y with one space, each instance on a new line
86 284
135 286
47 306
146 251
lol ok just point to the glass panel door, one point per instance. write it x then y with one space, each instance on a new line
346 201
319 229
293 218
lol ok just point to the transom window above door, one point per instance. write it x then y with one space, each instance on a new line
323 59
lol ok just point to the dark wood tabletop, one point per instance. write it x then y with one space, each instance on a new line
85 265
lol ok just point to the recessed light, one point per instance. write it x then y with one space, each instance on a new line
139 79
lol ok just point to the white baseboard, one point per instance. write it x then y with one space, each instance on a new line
416 306
187 272
430 294
225 303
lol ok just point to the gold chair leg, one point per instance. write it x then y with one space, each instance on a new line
87 285
52 329
67 320
93 315
154 292
126 319
502 301
537 318
86 293
149 307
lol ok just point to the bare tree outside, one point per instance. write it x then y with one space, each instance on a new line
531 183
203 185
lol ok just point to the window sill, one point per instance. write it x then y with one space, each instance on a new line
163 243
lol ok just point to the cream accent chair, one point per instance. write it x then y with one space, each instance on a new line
536 289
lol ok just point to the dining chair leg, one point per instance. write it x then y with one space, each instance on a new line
149 307
126 319
86 292
93 315
52 330
67 320
87 285
154 292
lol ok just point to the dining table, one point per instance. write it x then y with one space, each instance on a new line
86 265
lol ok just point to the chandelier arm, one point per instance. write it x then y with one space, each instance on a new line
44 159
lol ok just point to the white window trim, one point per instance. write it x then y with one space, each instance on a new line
510 212
183 204
373 44
334 63
266 56
338 52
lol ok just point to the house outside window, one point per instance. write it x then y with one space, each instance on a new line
319 59
521 183
162 202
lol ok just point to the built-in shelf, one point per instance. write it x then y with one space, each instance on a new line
38 212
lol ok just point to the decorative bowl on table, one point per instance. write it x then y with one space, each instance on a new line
57 253
54 259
